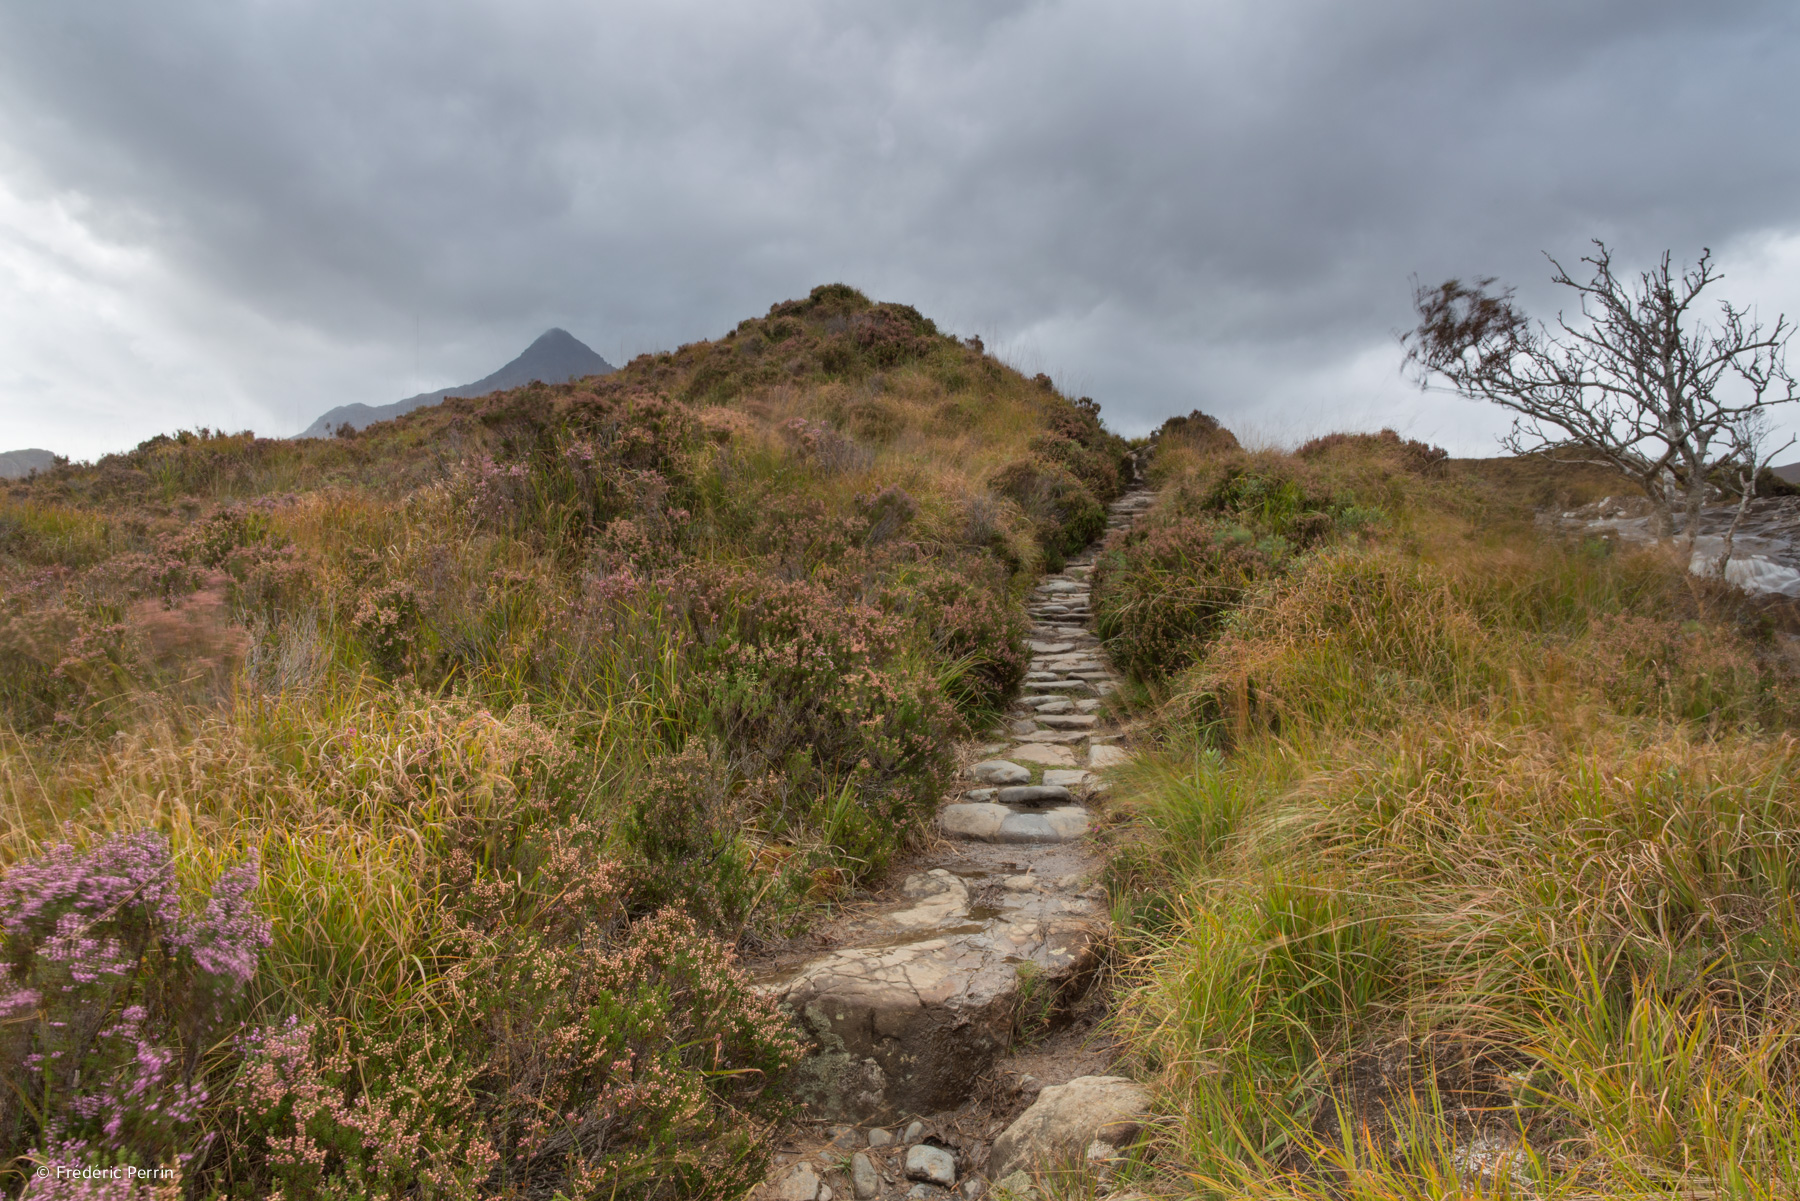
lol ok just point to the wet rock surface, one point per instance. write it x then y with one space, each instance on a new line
914 997
1765 551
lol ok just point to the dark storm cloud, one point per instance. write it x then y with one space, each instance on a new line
1170 204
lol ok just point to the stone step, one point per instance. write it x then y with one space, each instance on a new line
917 1000
991 822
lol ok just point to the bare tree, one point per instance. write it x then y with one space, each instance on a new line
1641 383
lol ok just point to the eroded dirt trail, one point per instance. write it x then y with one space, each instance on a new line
912 1000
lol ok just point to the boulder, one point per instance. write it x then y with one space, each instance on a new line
1066 1120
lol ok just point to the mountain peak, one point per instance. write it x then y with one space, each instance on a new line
556 356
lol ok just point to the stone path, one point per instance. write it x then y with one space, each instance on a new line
915 998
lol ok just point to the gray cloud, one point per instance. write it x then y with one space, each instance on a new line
241 214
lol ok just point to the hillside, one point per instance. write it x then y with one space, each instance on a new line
556 357
403 813
493 733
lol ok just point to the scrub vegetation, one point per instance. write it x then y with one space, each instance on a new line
1465 862
384 815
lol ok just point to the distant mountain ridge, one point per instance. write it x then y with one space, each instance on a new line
17 464
556 358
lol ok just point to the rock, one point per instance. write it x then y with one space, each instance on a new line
865 1181
1051 648
1066 1118
825 1193
1070 721
1108 756
978 796
999 771
881 1138
1059 737
798 1183
846 1137
1055 685
930 1165
1016 1187
1087 706
1022 727
1054 707
1034 794
978 821
1065 778
919 1192
1049 756
1056 825
913 1131
971 1188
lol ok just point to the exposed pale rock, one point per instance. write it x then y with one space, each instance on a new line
1052 705
1021 728
865 1181
1108 756
913 1131
798 1183
880 1137
978 821
1066 778
930 1165
999 771
1049 756
1059 736
1051 648
1066 1119
920 998
1053 685
1015 1187
1069 721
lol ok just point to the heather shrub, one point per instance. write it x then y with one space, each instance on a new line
1162 593
572 1050
1060 507
978 633
818 687
113 991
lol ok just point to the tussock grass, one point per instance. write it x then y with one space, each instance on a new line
1467 867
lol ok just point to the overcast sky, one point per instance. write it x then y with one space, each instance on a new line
240 213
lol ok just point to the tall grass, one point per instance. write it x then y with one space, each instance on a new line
1468 870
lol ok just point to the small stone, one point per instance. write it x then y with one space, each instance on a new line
1064 778
1067 1118
881 1138
865 1181
825 1193
971 1188
919 1192
930 1165
1054 707
1022 727
800 1183
999 771
846 1137
1033 794
913 1131
1087 706
1029 1085
1108 756
977 796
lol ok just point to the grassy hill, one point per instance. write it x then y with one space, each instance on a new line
458 757
1466 862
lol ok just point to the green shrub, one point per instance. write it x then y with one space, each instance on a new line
1064 513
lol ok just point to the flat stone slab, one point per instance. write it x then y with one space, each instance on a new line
1057 685
919 998
1051 648
1068 721
1108 756
977 820
1064 778
1054 825
998 771
1067 737
1048 756
1034 794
